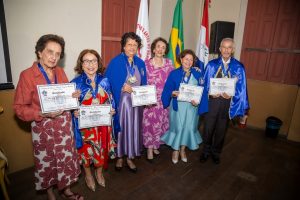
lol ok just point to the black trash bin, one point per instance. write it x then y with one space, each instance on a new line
272 126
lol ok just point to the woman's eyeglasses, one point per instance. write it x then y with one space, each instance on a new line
88 62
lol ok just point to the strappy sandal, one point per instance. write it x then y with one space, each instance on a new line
73 196
156 152
101 181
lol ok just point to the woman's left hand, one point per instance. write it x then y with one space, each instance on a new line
76 94
127 88
112 112
194 103
76 113
52 114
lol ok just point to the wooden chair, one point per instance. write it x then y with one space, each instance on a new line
3 176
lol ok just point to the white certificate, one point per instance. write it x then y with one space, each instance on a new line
94 115
222 85
54 97
190 92
143 95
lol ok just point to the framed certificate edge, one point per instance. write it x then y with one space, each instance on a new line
49 111
100 105
149 103
198 86
234 86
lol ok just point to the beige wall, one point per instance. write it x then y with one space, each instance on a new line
294 130
271 99
191 20
77 21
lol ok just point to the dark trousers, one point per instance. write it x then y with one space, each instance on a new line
215 125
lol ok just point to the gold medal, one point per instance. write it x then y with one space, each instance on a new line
132 79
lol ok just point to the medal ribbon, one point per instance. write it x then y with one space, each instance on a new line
185 78
45 74
93 91
225 71
130 68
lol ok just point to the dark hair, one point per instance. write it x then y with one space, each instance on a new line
42 42
153 45
78 67
184 53
132 36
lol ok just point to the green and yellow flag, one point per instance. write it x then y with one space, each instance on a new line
176 37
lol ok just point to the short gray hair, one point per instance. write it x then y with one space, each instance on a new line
228 39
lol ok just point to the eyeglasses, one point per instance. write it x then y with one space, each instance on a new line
88 62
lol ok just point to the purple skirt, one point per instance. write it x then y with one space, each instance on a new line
130 140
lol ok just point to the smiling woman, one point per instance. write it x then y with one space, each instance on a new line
5 78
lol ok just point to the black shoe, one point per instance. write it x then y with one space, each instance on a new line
216 159
150 160
203 158
118 168
133 170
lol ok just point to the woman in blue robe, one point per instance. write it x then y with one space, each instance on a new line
125 71
184 118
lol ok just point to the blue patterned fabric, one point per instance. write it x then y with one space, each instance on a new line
83 84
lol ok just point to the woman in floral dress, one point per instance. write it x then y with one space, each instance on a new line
95 145
156 118
55 156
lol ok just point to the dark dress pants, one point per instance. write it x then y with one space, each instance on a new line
215 125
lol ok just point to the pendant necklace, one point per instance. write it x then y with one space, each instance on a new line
130 66
186 76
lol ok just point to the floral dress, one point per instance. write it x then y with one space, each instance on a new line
98 143
156 118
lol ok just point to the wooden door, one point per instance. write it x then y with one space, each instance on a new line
118 17
270 49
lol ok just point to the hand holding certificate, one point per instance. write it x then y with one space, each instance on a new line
94 115
54 97
190 92
143 95
222 85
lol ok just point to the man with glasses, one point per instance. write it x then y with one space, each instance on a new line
223 106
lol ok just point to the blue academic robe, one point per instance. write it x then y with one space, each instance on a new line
83 84
173 83
239 102
116 72
200 65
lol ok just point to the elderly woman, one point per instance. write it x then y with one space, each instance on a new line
183 131
155 120
55 156
125 71
95 144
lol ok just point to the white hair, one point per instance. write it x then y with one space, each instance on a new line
227 39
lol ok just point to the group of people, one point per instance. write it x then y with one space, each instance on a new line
59 144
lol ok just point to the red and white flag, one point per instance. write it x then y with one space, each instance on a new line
142 30
202 51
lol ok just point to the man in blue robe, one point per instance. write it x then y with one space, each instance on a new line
223 107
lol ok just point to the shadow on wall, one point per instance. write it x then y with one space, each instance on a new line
25 126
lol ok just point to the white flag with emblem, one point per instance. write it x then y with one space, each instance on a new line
142 30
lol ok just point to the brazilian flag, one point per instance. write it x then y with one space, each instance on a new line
176 38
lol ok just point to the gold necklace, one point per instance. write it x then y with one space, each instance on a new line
93 84
156 64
